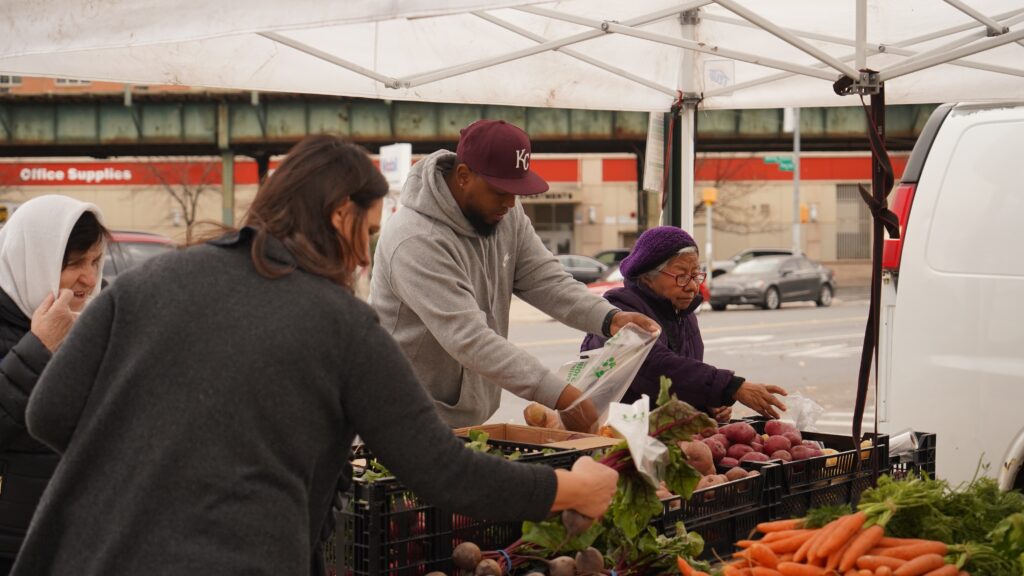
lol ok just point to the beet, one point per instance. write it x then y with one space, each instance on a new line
738 450
589 561
487 567
562 566
776 443
783 455
576 523
754 457
466 555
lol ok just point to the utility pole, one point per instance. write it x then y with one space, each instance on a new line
710 196
796 180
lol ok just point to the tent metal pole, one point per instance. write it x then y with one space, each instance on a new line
723 52
577 55
994 28
953 30
328 57
687 133
916 64
789 38
860 55
451 71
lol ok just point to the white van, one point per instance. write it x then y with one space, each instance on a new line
952 316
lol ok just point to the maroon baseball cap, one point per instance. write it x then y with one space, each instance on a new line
500 153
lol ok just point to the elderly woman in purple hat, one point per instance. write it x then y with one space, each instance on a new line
662 280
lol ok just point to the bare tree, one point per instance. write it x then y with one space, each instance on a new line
733 211
186 180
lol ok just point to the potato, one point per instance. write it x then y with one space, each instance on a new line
739 432
757 446
776 443
830 461
717 450
738 450
735 473
709 432
722 440
802 452
487 567
698 455
754 457
778 427
793 436
783 455
711 480
729 462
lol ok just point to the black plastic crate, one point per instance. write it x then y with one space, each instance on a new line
922 459
721 532
384 529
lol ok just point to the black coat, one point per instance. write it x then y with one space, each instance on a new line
26 465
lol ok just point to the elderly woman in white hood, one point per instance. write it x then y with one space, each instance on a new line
51 255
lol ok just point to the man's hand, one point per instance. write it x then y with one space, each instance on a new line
761 398
620 319
581 418
52 321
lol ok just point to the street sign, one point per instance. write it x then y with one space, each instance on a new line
785 163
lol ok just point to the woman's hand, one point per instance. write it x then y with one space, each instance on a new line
722 414
587 489
761 398
52 321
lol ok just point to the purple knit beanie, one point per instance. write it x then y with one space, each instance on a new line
654 247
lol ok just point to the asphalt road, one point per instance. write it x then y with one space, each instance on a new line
805 349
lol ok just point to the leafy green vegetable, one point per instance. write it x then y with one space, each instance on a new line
818 517
1007 538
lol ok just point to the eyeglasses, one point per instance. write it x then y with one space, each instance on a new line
683 279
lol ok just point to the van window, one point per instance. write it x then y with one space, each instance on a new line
980 205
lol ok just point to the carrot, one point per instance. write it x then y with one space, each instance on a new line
823 533
883 571
745 543
889 541
876 562
733 570
784 534
778 525
794 569
791 544
848 526
865 573
787 557
801 552
835 557
920 565
947 570
763 555
864 542
911 551
762 571
684 568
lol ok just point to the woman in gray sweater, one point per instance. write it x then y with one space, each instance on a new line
205 404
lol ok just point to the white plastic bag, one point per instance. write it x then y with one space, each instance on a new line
604 374
804 411
632 422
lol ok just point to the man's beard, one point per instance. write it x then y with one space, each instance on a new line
480 224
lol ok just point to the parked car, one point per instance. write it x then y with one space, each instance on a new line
129 249
612 278
951 335
583 268
719 267
769 281
609 257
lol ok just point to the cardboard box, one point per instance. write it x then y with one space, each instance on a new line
547 437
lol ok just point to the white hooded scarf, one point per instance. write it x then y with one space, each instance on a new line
32 247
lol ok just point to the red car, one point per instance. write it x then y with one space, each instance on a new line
129 249
612 278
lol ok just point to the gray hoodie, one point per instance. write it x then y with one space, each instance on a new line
444 292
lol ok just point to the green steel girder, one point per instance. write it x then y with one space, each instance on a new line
106 125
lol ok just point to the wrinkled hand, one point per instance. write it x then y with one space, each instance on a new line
722 414
620 319
597 487
582 417
761 398
53 319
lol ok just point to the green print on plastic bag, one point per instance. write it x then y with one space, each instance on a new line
605 366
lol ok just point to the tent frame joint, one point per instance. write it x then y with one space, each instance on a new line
690 17
868 83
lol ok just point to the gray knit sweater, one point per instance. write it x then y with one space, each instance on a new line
205 413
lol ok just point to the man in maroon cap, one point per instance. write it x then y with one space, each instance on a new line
446 267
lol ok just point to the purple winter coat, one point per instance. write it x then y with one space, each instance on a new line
678 353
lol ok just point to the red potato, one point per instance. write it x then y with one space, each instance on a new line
717 449
698 455
793 436
776 443
739 432
778 427
738 450
754 457
722 440
708 432
783 455
803 452
711 480
729 462
757 446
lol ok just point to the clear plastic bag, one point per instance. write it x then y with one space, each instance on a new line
603 375
804 411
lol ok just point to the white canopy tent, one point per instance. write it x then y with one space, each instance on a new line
647 55
597 54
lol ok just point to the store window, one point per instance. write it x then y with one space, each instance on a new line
70 82
6 80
